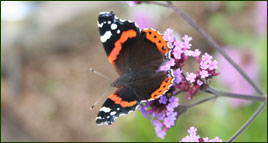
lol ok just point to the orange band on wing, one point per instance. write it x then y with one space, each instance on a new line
118 44
118 100
162 89
158 39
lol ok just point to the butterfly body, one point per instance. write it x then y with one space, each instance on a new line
136 55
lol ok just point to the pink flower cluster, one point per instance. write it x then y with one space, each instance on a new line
193 137
180 52
162 113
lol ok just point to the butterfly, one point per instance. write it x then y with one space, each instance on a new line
136 55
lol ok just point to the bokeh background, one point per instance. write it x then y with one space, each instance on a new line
47 49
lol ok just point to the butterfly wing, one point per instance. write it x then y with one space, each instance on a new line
147 52
126 99
153 87
128 48
120 103
114 33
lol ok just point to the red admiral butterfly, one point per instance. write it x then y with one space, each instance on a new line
136 55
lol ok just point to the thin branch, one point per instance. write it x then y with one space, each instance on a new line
233 95
252 118
201 101
216 46
183 108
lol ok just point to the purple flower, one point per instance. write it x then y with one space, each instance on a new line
169 121
204 65
189 53
196 53
206 57
178 76
177 52
216 139
187 38
161 116
166 66
163 99
157 124
143 110
190 77
160 133
170 108
204 73
193 137
190 139
162 113
192 130
199 82
174 101
167 34
213 65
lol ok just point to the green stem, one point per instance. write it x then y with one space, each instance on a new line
233 95
252 118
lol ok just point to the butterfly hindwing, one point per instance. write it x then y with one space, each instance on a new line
120 103
154 86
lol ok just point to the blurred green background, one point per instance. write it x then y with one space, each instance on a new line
47 49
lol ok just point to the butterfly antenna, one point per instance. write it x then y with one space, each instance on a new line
100 74
98 100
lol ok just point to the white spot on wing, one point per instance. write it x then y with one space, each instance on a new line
107 35
109 22
100 25
122 20
106 123
118 31
105 109
112 113
105 12
113 26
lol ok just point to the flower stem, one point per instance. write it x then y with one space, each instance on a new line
233 95
183 108
201 101
252 118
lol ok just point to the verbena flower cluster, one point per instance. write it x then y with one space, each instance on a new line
180 52
162 113
193 137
